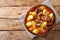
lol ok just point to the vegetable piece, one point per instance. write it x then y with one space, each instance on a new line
51 15
38 17
33 13
31 28
30 17
42 7
35 31
29 23
42 30
34 24
44 11
44 24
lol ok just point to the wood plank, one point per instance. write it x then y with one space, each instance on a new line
12 12
55 2
54 35
56 27
22 35
17 3
57 9
10 25
14 35
9 18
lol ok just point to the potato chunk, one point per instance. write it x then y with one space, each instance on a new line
44 24
42 30
31 28
33 13
51 15
42 7
34 24
35 31
29 23
30 17
44 11
38 17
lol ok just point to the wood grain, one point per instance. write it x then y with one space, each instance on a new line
17 3
22 35
10 25
55 2
12 12
53 35
14 35
57 9
9 18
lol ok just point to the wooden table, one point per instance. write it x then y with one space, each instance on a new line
10 26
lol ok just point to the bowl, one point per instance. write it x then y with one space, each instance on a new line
47 19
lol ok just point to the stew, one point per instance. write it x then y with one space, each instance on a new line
39 19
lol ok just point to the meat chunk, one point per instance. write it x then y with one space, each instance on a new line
37 11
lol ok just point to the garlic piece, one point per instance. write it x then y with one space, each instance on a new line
35 31
30 17
29 23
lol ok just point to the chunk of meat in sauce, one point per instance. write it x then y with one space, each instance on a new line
38 22
37 11
43 18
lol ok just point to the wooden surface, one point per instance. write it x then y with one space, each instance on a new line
10 26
